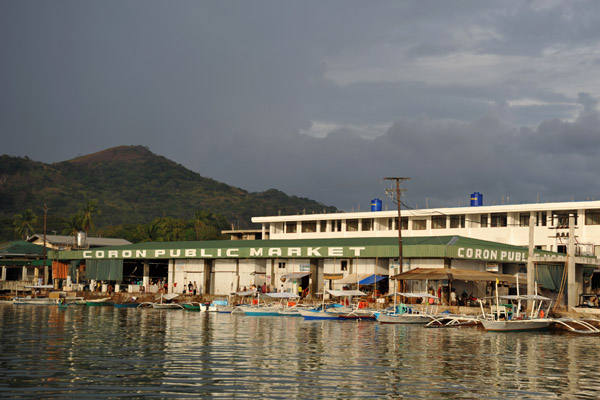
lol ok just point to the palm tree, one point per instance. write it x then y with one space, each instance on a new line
87 215
73 225
23 223
150 232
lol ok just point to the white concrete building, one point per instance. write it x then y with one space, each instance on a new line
507 224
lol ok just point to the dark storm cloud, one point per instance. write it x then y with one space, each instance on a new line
318 99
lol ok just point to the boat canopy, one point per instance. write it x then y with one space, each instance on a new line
282 295
345 293
415 295
525 297
168 296
246 293
369 280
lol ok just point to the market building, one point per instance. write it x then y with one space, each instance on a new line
223 267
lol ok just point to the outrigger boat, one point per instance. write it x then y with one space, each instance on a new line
406 314
103 302
162 305
39 301
503 319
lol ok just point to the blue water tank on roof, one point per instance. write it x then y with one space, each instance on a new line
476 199
375 205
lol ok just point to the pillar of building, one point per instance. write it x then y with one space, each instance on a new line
530 264
146 278
572 285
3 276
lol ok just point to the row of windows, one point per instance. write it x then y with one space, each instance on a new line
559 219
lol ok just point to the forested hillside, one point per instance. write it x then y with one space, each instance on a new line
128 185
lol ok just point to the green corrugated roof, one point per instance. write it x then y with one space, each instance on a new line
21 247
413 247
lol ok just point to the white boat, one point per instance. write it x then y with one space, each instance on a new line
40 301
313 314
407 313
503 319
164 305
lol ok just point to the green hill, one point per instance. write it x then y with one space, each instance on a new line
131 185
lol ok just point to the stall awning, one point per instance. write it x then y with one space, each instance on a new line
295 275
371 279
333 276
353 278
453 274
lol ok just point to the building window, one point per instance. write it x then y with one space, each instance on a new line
324 226
524 219
419 224
592 217
344 265
393 224
367 224
404 223
561 219
499 219
457 221
484 220
352 225
540 218
336 225
290 227
282 265
309 226
438 222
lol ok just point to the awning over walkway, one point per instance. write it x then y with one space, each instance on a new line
436 274
371 279
353 278
295 275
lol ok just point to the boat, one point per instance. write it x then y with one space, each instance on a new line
318 313
286 306
36 301
191 306
128 304
447 320
407 313
507 319
208 307
162 305
104 302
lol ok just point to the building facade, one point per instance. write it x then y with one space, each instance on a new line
507 224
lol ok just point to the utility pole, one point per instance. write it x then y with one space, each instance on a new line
398 193
45 267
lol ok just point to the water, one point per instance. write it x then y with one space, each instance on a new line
103 353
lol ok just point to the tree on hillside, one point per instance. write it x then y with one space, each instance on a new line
73 225
87 215
208 225
150 232
24 223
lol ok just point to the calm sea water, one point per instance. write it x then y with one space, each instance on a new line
102 353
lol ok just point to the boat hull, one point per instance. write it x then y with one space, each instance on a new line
403 319
316 315
516 325
126 305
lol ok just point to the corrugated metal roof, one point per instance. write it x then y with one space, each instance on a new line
21 248
413 247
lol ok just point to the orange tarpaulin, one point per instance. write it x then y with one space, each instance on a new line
60 270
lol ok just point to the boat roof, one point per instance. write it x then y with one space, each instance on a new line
282 295
345 293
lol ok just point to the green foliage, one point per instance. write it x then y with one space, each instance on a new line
24 223
133 188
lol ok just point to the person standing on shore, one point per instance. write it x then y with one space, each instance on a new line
195 288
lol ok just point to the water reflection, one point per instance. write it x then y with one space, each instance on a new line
101 352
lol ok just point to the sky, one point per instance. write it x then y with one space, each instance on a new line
319 99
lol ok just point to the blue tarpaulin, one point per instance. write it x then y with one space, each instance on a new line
371 279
